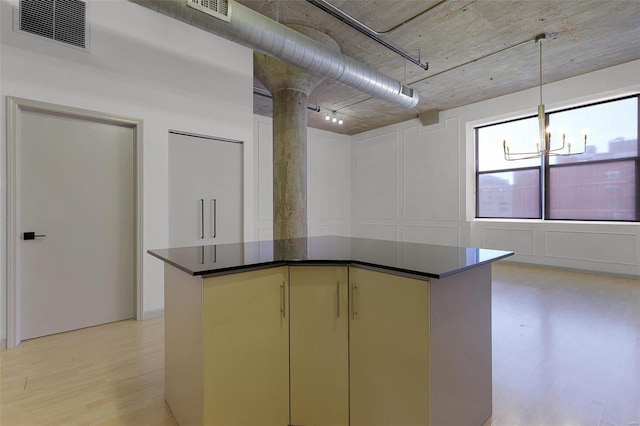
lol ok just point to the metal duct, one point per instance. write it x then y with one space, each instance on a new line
249 28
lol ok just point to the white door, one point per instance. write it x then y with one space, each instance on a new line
77 191
205 191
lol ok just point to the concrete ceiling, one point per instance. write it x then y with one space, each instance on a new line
476 49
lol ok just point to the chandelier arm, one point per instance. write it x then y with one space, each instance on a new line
567 154
508 158
537 153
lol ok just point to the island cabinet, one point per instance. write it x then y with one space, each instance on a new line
389 346
227 348
319 345
299 345
346 335
246 348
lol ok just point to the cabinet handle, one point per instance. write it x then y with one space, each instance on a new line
338 297
202 218
353 301
214 217
282 301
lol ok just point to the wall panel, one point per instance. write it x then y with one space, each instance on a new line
592 246
441 235
264 172
377 231
431 178
376 177
520 241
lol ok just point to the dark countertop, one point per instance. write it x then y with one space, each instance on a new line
425 260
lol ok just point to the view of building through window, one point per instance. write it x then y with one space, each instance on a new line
601 184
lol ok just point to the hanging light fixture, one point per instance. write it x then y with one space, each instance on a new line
543 147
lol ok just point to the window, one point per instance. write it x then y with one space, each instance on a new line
602 184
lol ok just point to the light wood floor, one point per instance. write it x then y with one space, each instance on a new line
566 351
566 348
112 374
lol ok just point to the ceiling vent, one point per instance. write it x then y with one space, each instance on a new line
61 20
406 90
216 8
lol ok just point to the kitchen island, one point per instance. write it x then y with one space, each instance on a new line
328 331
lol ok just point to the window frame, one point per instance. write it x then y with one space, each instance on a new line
545 166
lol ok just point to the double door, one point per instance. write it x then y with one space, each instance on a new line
359 347
205 191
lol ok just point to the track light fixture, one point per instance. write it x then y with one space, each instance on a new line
333 117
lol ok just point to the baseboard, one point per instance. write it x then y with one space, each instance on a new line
153 313
569 269
3 344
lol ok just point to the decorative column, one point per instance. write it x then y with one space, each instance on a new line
290 87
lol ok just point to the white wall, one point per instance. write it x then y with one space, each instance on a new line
417 183
328 181
144 65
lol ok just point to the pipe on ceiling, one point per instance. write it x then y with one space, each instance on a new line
344 17
251 29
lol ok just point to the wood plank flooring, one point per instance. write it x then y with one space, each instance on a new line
566 348
111 374
566 351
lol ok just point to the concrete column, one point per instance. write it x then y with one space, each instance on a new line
290 87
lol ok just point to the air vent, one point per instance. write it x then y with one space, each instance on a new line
61 20
216 8
406 90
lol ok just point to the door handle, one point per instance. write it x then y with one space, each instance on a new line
202 218
215 217
338 298
283 310
353 301
31 236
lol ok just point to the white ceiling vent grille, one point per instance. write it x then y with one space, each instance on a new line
216 8
61 20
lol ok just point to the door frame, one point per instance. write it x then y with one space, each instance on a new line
15 106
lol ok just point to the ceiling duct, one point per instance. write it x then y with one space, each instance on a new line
244 26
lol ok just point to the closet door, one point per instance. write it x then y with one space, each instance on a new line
205 191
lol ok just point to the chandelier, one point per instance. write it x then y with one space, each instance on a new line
543 147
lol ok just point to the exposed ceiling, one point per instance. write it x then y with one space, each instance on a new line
476 49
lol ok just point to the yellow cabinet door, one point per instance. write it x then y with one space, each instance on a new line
246 349
389 353
319 345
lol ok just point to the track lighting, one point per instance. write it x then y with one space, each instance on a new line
333 117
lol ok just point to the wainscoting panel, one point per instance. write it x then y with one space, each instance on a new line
265 233
316 230
377 232
517 240
431 173
447 236
604 247
329 178
377 177
264 153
